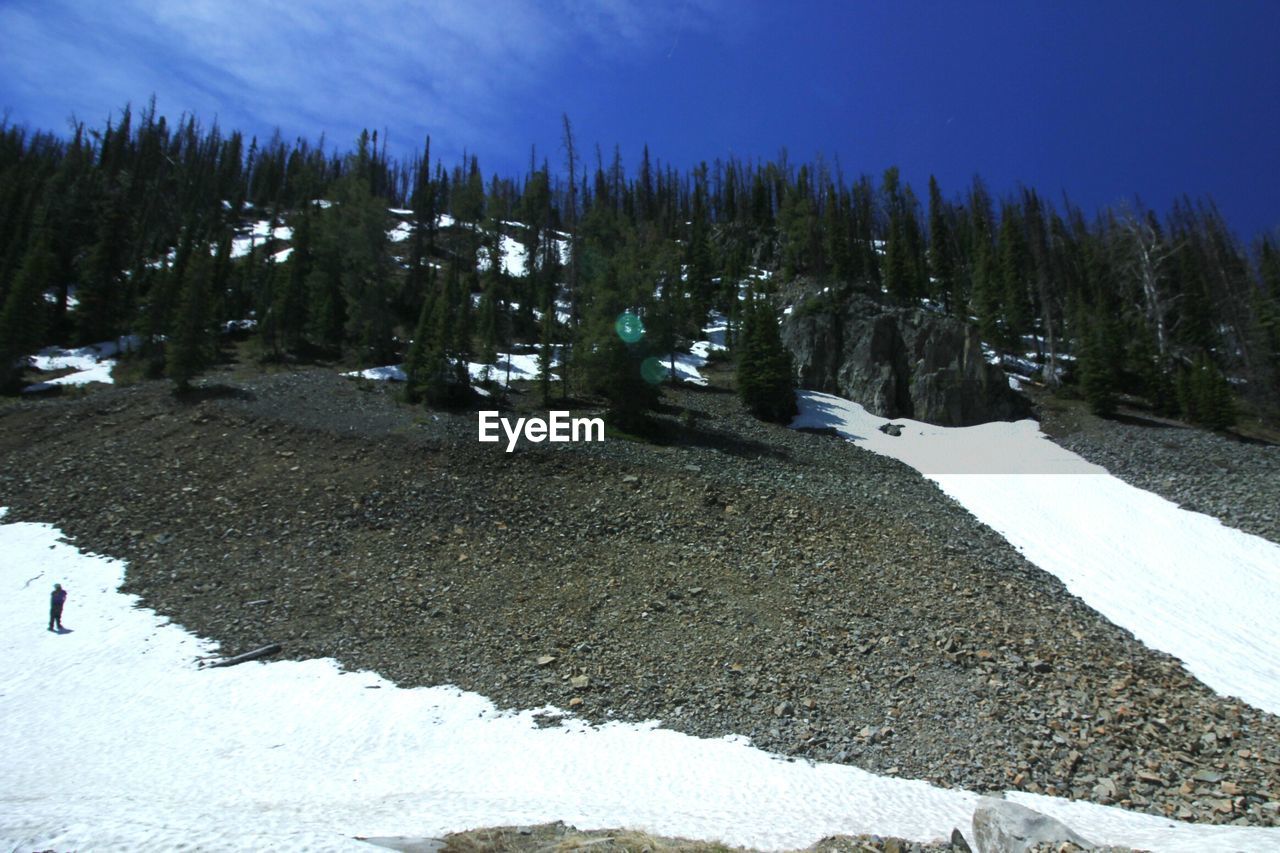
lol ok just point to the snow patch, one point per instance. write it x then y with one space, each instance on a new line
259 232
91 363
514 257
1182 582
52 297
523 366
302 755
389 373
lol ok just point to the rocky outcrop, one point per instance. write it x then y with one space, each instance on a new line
898 362
1000 826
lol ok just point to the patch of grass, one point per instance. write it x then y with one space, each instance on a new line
1255 424
132 371
819 304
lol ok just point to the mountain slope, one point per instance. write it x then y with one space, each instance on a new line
741 578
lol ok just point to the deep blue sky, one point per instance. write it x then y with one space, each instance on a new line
1105 101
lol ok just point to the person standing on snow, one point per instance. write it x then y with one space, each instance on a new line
56 600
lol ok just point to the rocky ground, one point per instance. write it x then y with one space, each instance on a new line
1219 474
558 838
733 577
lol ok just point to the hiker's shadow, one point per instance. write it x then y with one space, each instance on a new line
62 630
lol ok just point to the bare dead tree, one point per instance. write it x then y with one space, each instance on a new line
572 222
1145 253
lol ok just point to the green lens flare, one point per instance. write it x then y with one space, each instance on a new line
653 370
629 327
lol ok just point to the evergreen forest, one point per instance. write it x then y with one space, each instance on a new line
176 231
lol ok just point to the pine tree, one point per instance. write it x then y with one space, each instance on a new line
422 242
985 293
326 313
610 366
360 232
797 224
1097 375
617 374
836 233
1206 395
1265 328
190 347
426 366
546 348
275 278
23 312
897 272
914 246
99 313
663 319
1152 377
1013 267
698 253
1100 356
487 322
866 260
766 383
462 325
614 369
941 262
896 281
290 303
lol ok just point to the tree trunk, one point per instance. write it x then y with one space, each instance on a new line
248 656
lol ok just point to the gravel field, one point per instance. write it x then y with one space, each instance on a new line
735 577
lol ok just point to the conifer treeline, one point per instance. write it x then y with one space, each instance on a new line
137 220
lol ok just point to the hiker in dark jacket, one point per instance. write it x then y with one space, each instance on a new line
56 600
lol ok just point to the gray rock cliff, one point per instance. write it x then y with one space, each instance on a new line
898 362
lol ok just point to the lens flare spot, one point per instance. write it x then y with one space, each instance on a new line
629 327
653 370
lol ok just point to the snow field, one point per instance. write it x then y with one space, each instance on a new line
115 739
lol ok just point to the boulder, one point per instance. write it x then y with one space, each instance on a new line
1000 826
898 362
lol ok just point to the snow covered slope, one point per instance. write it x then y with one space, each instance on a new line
1180 581
114 739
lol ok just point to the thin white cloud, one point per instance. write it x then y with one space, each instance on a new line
456 69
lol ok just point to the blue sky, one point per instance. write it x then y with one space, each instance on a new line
1105 101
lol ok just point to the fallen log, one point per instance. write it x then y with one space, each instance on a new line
248 656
